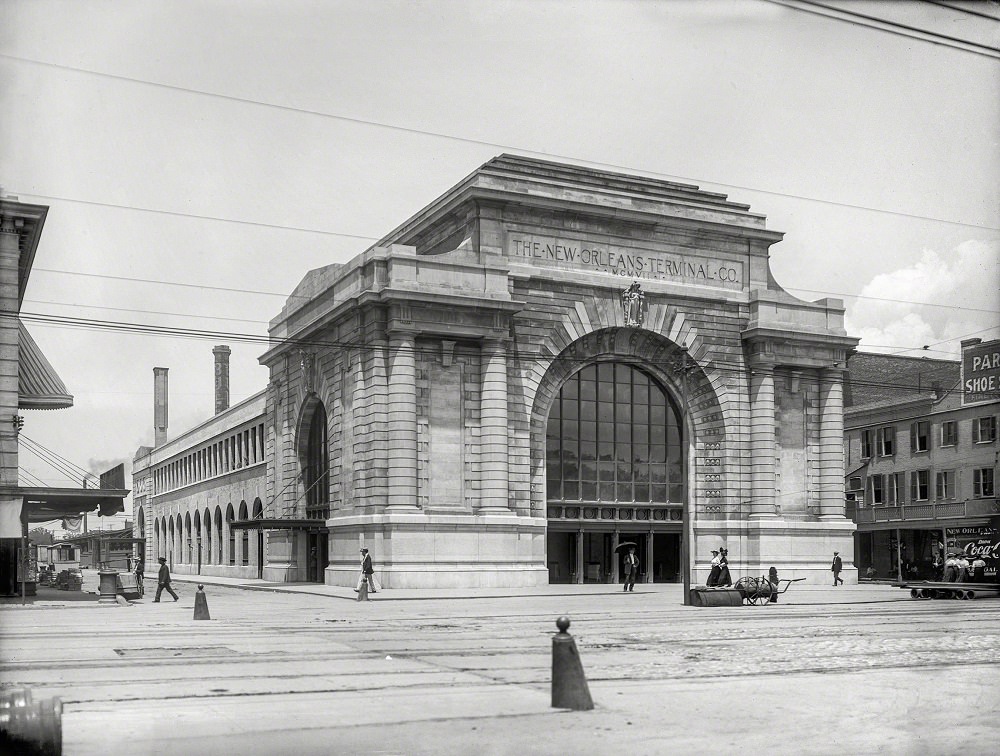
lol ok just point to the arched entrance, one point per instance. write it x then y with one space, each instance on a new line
315 459
615 473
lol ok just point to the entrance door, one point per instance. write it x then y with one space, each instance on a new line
318 558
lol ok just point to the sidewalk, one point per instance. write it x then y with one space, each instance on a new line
797 594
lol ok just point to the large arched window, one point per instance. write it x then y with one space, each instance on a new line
614 436
316 475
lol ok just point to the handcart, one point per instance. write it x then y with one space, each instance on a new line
760 591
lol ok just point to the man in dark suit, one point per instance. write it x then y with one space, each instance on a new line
163 581
367 570
836 567
631 568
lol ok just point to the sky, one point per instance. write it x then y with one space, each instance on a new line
198 158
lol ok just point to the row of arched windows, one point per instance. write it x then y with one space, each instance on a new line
205 538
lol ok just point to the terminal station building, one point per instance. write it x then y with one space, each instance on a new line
546 362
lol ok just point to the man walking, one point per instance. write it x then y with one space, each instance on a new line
631 568
837 566
139 567
163 581
367 571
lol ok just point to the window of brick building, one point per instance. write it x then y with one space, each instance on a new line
886 441
949 433
919 485
945 485
920 436
982 483
984 430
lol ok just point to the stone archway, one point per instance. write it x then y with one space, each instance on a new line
582 536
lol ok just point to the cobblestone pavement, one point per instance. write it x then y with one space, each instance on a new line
278 671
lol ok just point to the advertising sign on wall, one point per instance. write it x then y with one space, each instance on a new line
981 373
983 541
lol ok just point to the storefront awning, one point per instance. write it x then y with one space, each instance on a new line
39 386
42 504
280 523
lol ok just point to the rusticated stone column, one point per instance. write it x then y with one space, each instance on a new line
493 429
831 443
402 423
762 442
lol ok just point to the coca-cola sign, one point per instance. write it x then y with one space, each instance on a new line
982 541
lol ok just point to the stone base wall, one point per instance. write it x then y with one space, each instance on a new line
795 548
418 550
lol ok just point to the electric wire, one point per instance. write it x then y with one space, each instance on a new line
51 463
441 135
909 32
68 463
718 366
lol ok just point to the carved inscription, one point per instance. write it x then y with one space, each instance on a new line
625 261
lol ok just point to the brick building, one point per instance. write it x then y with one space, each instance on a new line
189 490
921 453
545 362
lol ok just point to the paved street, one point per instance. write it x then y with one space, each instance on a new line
840 671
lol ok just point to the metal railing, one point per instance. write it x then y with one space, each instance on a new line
948 510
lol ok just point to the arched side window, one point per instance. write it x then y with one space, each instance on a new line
244 536
232 534
156 537
207 548
316 475
187 545
140 529
219 537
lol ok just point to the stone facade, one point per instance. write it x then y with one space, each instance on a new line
438 353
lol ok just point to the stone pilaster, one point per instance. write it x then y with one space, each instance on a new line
402 423
493 430
762 442
9 346
831 443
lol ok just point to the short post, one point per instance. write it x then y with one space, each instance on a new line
363 590
108 587
201 604
569 684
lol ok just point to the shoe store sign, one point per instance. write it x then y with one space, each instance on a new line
629 262
981 373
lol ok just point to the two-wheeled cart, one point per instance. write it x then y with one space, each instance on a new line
760 591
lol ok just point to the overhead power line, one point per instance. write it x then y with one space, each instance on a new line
244 290
846 15
437 135
714 366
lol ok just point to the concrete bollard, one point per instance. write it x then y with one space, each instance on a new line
569 684
201 604
30 727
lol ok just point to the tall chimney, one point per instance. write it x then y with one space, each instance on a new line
221 353
159 406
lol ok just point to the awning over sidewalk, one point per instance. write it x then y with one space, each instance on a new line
280 523
42 504
39 386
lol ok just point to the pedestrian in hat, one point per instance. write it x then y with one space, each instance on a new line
713 576
631 568
950 569
163 581
836 567
725 581
367 572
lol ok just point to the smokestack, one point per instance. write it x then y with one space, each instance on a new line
221 353
159 406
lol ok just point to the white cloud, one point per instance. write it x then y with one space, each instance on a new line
961 289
